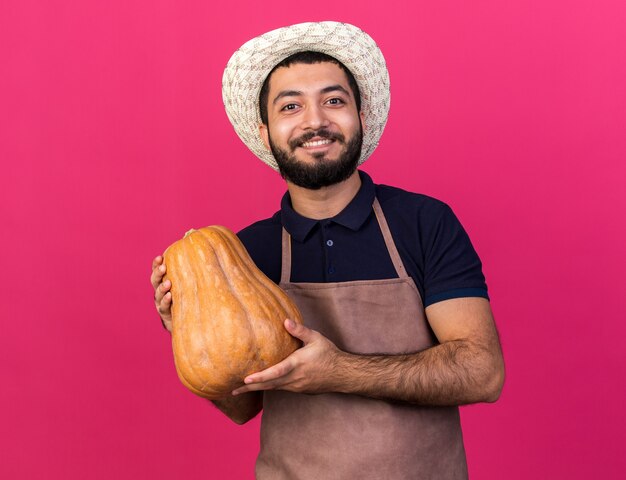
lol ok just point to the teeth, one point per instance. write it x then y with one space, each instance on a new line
316 143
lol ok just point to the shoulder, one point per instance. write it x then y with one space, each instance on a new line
262 240
423 211
260 227
259 233
433 244
394 196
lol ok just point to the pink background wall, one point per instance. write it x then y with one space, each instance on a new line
114 142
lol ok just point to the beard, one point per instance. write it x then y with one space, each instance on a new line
322 172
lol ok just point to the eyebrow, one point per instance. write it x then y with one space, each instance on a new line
297 93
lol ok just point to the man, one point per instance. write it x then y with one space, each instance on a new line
375 389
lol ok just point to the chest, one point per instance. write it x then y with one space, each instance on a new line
334 253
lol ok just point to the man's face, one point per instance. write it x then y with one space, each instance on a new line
314 129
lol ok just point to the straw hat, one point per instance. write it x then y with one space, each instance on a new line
251 64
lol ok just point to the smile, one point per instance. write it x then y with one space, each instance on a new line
316 143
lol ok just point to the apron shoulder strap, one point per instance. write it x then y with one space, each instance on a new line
285 270
391 246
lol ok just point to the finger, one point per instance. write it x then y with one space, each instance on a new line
157 261
157 275
164 306
300 331
255 387
161 290
279 370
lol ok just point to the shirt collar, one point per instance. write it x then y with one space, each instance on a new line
352 217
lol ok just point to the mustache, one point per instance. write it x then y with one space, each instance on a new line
321 133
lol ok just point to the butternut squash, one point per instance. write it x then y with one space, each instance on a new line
227 316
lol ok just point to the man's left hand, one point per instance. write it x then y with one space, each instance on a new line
310 369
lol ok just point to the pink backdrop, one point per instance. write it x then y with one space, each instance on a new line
114 142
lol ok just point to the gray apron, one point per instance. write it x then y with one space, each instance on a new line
349 437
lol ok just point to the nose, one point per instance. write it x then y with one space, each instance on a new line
314 118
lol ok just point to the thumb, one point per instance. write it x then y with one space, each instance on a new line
299 331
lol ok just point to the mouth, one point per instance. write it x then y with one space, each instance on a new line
317 143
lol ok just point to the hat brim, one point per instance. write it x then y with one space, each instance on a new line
249 66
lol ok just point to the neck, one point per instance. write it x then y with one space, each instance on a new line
325 202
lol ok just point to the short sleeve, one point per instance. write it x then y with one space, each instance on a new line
452 268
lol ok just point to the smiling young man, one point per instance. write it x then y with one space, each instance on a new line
313 127
318 123
398 329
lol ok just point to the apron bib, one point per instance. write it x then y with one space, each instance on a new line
339 436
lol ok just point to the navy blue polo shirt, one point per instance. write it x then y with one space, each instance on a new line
434 247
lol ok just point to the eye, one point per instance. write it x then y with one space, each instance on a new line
289 107
335 101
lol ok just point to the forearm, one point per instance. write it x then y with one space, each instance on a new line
240 408
466 367
453 373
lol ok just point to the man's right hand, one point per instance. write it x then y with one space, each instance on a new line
162 294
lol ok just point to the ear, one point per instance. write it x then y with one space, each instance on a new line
362 116
264 135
